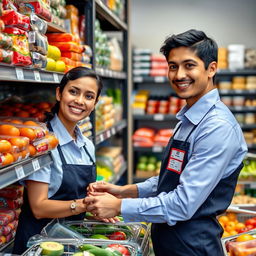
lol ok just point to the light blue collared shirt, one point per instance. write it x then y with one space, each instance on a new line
217 148
73 152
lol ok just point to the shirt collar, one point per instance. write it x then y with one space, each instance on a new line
196 113
62 134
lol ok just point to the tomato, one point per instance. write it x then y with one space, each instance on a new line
118 235
251 221
120 248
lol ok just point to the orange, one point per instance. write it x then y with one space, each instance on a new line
43 105
17 156
28 132
233 232
22 113
7 159
30 123
231 216
230 226
225 234
24 153
239 226
15 121
5 146
223 219
52 141
32 150
20 142
7 129
244 237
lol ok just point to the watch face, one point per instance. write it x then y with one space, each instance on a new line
73 206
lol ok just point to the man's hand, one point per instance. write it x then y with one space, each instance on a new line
102 186
103 205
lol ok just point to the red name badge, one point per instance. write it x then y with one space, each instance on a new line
176 159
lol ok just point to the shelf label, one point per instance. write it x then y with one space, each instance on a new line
224 91
19 172
37 76
101 137
158 117
157 149
252 185
113 131
108 133
159 79
238 108
19 73
36 164
138 79
56 78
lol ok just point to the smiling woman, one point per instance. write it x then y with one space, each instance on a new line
58 190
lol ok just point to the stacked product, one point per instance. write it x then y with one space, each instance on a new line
147 166
159 66
141 62
105 113
110 158
250 58
116 94
85 126
222 58
236 56
116 6
11 199
58 12
6 52
140 102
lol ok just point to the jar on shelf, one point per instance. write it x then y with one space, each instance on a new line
238 100
225 85
249 118
238 83
251 83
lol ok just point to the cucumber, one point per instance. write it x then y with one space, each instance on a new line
83 254
100 252
85 247
52 248
99 236
114 252
104 229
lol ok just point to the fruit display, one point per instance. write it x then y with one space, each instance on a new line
249 170
147 166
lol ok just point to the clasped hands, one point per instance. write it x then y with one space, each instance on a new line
103 201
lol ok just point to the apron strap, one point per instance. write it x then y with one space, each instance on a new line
85 149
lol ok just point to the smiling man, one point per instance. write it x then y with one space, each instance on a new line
200 166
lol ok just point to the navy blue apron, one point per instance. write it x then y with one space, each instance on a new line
75 180
199 236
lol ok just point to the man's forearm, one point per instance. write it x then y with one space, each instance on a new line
129 191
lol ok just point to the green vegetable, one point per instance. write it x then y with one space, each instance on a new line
85 247
100 252
52 248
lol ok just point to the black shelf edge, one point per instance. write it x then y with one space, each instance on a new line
242 109
110 73
251 146
22 74
55 28
102 136
15 172
228 72
155 149
248 126
104 12
118 175
155 117
237 92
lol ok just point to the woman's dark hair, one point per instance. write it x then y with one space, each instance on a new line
71 75
204 47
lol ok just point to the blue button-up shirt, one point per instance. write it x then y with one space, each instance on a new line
217 147
73 152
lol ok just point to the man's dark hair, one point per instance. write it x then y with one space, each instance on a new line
204 47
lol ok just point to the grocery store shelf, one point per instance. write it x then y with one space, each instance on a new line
118 175
242 109
155 149
155 117
252 147
17 171
105 13
6 248
22 74
102 136
150 79
236 72
110 73
248 126
237 92
55 28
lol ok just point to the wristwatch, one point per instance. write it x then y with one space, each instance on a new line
73 205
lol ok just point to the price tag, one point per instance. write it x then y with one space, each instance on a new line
101 137
19 73
238 108
56 78
238 91
36 164
224 91
157 149
159 79
113 131
253 185
138 79
108 133
158 117
37 76
19 172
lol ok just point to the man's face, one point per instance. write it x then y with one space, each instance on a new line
188 76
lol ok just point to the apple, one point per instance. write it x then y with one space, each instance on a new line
152 160
143 159
150 167
141 166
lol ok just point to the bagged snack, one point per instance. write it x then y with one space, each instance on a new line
5 41
39 61
38 24
37 42
6 56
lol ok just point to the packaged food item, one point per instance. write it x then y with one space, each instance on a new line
2 26
247 248
5 41
72 55
13 18
38 24
37 42
38 60
6 203
6 216
12 191
61 37
68 46
6 56
21 54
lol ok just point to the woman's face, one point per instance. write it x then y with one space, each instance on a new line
77 100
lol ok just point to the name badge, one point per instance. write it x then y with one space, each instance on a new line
175 161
